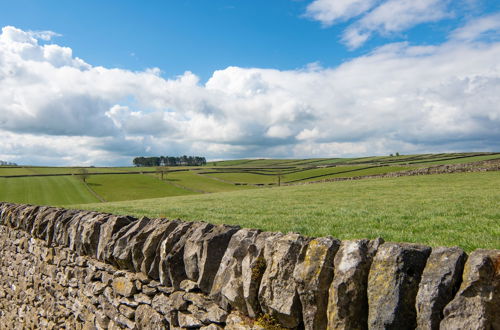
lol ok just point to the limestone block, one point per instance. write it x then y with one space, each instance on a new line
440 282
278 294
348 300
212 247
122 250
147 318
107 236
124 286
173 264
227 289
393 284
166 248
314 274
151 248
477 303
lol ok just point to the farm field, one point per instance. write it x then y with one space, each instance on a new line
122 187
54 190
451 209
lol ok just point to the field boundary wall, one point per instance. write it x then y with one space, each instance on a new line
74 269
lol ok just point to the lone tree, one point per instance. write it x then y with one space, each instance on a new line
163 171
83 174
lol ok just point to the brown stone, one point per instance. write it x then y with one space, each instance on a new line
278 294
477 303
393 284
440 282
313 274
348 300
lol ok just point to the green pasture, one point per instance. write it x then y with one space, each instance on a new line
448 209
122 187
53 190
199 183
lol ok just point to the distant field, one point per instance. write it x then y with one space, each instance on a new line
192 180
122 187
451 209
54 190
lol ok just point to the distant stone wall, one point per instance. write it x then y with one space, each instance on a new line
87 270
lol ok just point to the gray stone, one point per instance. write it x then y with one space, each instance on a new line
278 290
348 300
147 318
127 311
393 284
166 247
227 289
440 282
106 235
124 286
151 249
477 303
122 250
313 274
188 321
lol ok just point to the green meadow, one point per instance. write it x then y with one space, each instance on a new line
451 209
448 209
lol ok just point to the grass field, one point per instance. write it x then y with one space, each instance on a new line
195 182
54 190
123 187
450 209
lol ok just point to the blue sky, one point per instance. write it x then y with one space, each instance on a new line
234 78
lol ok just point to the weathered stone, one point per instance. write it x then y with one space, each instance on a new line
278 290
313 274
188 321
138 240
107 235
210 248
147 318
89 229
211 327
440 282
393 284
151 248
127 311
477 303
166 247
348 300
124 286
227 289
141 298
189 286
122 250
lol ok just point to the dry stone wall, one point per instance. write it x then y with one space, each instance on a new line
86 270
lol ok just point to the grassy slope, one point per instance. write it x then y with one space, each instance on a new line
121 187
45 191
191 180
452 209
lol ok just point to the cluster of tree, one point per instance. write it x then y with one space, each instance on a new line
2 163
170 161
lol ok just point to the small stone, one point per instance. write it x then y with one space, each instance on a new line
147 318
476 305
440 282
393 284
127 311
189 286
188 321
141 298
124 286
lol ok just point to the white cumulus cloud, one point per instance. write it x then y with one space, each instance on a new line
57 109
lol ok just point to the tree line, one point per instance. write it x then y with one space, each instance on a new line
170 161
4 163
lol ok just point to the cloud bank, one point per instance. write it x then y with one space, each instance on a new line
383 17
57 109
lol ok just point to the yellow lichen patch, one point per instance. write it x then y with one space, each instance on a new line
268 322
258 269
